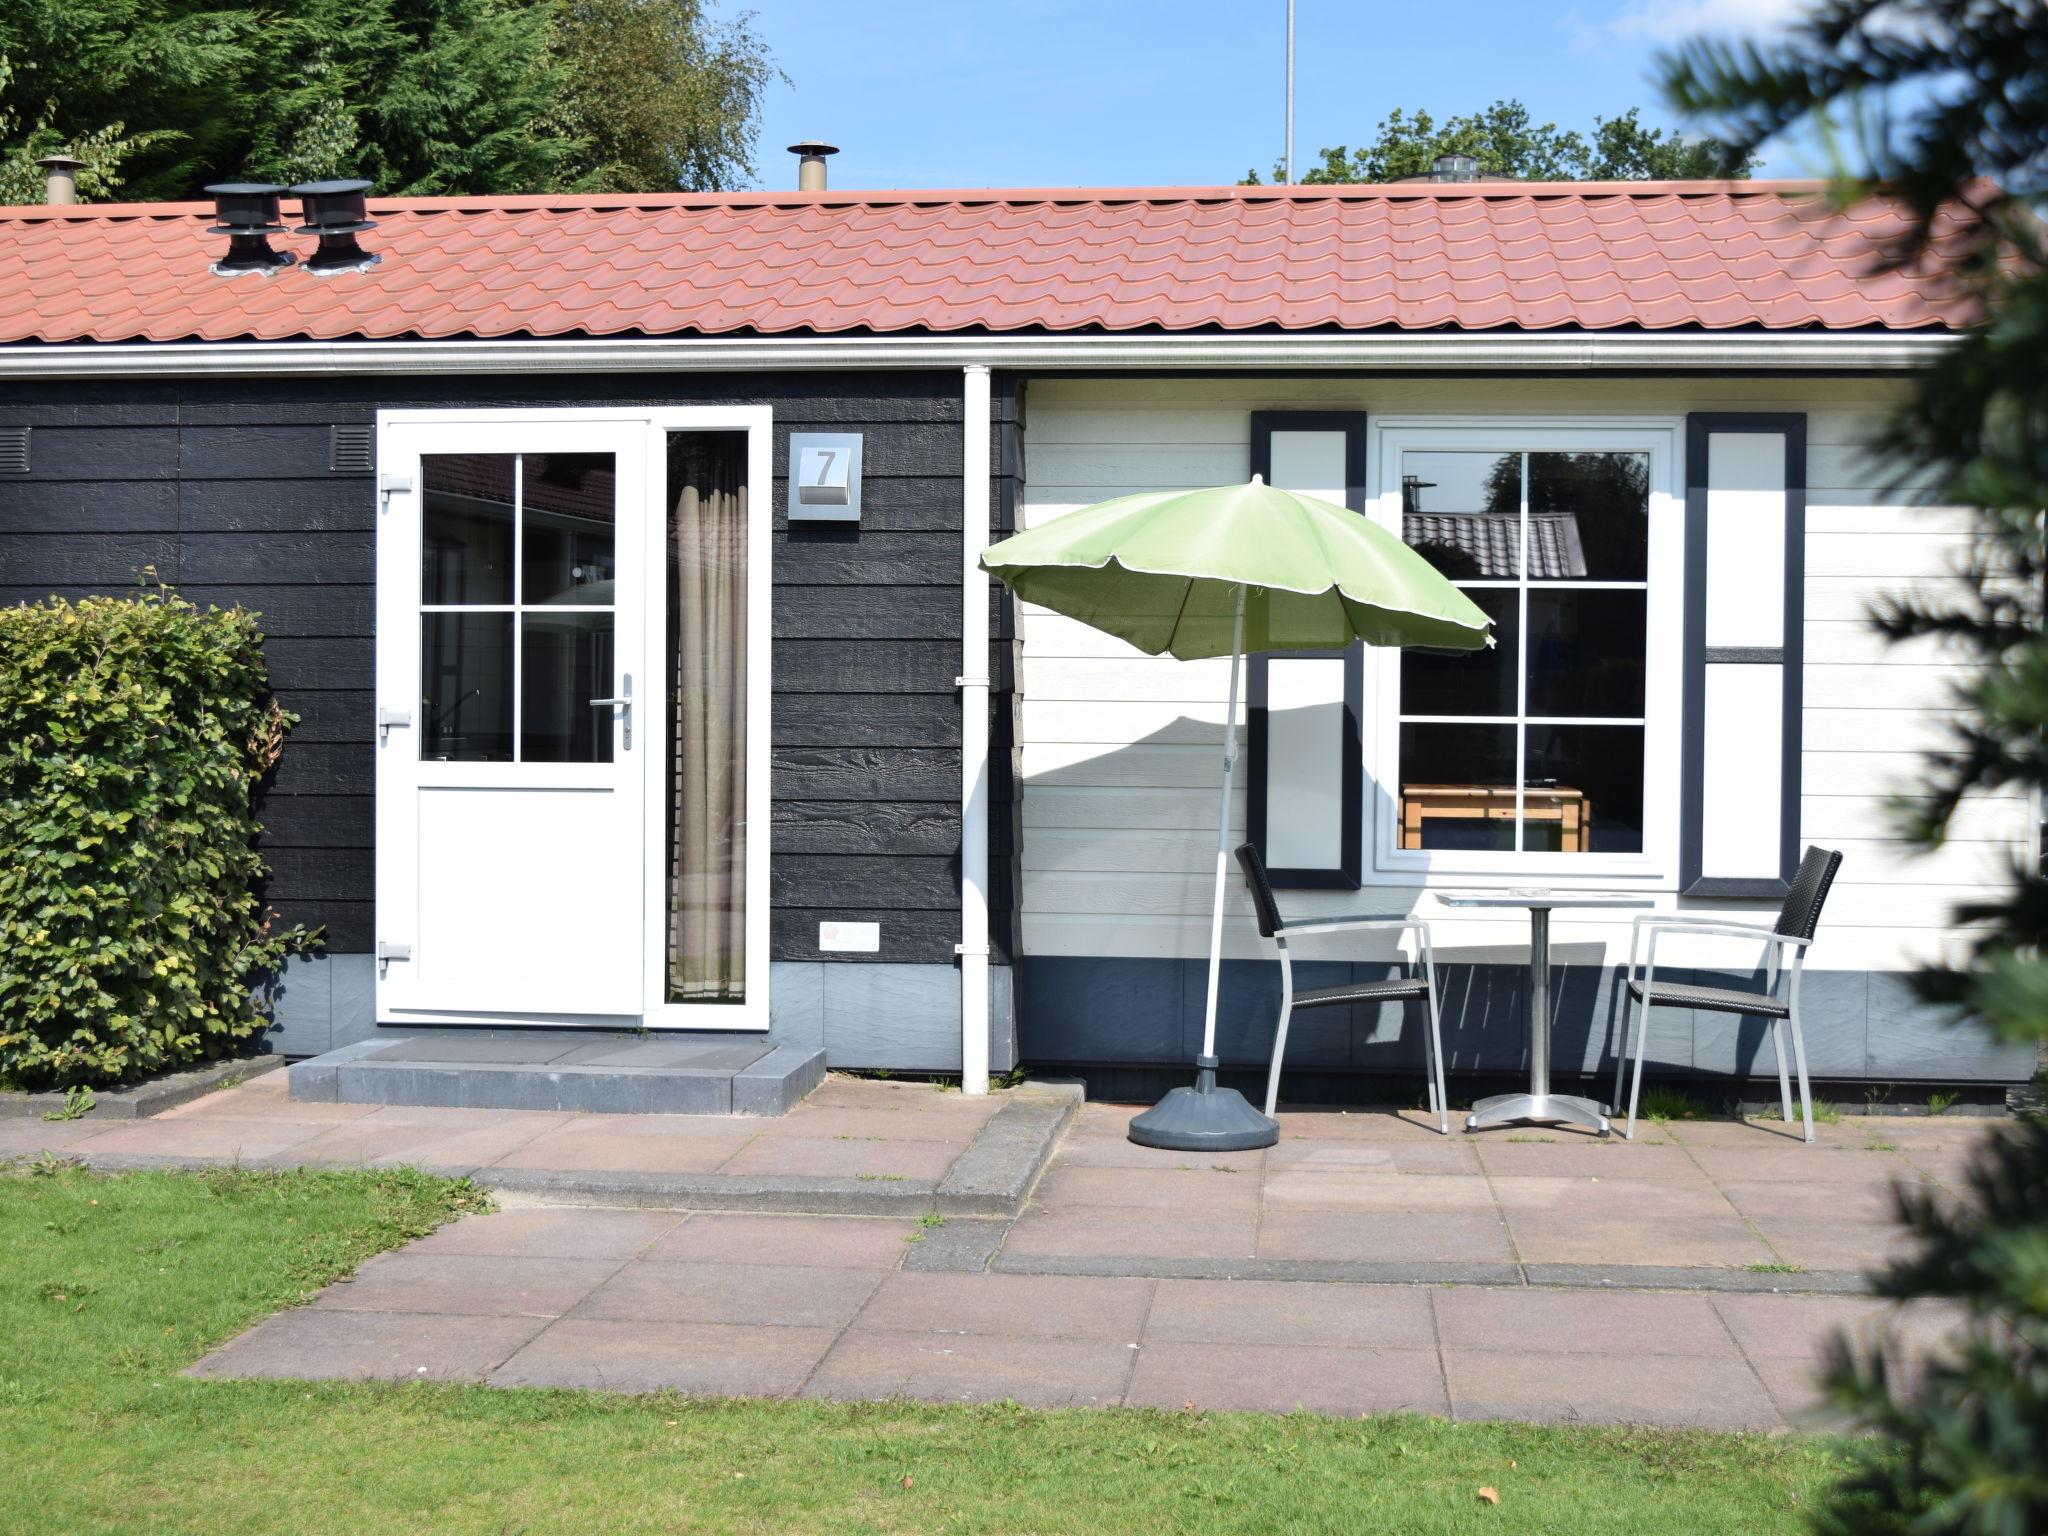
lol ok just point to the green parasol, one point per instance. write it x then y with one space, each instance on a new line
1220 572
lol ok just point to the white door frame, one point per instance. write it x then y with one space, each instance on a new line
397 601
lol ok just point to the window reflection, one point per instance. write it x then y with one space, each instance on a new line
1590 513
567 662
1462 512
568 513
466 527
466 687
1512 750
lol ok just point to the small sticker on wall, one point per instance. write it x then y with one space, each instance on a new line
854 938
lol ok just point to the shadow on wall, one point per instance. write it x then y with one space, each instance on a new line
1119 860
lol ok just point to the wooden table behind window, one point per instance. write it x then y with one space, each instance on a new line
1569 808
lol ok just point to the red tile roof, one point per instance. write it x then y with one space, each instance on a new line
1470 257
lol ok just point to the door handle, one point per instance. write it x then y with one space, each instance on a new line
623 701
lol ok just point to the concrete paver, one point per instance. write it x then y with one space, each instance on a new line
1497 1318
829 1242
767 1295
627 1355
321 1344
565 1232
1280 1378
1406 1236
484 1285
1292 1313
974 1368
1672 1391
1023 1306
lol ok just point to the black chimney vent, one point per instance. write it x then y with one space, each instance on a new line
336 211
246 212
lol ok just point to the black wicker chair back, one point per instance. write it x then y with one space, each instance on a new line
1263 903
1800 915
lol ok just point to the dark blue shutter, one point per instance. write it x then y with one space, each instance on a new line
1733 841
1324 855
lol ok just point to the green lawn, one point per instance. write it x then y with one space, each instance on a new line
109 1286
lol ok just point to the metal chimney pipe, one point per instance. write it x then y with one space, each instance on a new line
60 179
810 165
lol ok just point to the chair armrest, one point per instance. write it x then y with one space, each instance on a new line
1678 922
1357 920
1722 930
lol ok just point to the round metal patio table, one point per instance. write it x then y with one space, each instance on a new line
1539 1106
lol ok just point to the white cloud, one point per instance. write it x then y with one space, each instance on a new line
1670 21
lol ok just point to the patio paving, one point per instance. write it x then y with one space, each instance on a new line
1600 1282
598 1298
1729 1203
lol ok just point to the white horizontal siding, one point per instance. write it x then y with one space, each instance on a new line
1121 751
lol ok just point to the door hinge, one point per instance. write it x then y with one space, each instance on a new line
387 719
386 953
389 486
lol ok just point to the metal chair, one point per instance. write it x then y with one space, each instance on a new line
1794 929
1395 989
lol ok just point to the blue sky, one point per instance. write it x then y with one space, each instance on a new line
1121 92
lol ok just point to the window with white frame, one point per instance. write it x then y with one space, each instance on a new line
1554 750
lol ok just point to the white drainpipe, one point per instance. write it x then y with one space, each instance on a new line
973 685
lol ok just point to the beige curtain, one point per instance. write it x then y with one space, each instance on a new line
707 619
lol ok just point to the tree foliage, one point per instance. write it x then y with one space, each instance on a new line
1506 142
1943 104
131 936
419 96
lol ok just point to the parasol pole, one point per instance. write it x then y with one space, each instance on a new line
1206 1065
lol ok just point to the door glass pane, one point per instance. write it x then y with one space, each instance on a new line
569 505
1585 789
1458 787
1462 512
707 731
466 528
1589 516
1586 652
466 687
567 663
1467 682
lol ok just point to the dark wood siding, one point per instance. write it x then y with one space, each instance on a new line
1006 701
224 488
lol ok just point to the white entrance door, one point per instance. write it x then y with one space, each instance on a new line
511 798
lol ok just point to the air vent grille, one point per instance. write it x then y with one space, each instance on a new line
13 450
350 450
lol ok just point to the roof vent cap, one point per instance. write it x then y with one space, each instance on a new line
246 212
810 164
336 211
60 179
1454 168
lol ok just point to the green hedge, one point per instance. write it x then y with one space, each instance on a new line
134 733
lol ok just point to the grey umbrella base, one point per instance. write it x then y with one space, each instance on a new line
1204 1118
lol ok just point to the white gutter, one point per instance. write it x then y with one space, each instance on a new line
1694 351
974 725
